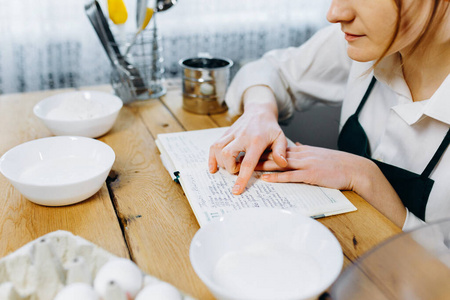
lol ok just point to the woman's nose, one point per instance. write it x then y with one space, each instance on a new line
340 11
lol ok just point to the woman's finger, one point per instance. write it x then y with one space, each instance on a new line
279 150
296 148
288 176
230 155
247 168
268 165
214 158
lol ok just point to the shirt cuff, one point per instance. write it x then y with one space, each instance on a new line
411 221
259 73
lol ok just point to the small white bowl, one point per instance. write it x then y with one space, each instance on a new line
266 254
80 113
58 171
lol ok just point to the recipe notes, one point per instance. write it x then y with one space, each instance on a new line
185 156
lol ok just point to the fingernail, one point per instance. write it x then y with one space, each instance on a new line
264 176
235 189
283 158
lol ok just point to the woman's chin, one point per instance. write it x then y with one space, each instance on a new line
361 54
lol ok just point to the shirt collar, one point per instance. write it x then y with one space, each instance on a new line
389 72
439 105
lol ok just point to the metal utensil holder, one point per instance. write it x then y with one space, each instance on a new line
146 56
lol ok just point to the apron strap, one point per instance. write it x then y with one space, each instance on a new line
437 156
366 95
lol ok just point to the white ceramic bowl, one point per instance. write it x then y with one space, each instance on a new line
59 170
80 113
266 254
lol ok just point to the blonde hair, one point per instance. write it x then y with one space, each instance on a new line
435 16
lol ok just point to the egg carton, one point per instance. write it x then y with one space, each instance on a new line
41 268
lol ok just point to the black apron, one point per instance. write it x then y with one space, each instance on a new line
413 189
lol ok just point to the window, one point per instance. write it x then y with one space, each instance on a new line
50 44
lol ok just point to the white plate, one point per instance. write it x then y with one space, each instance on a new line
80 113
266 254
59 170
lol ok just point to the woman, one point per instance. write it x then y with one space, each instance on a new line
389 62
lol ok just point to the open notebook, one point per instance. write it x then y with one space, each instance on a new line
185 156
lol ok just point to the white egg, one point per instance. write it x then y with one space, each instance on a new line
114 292
125 273
77 291
159 291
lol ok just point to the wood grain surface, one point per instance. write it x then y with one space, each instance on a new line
22 221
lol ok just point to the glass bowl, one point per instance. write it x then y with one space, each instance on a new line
410 265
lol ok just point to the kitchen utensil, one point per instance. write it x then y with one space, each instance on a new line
117 11
205 81
143 16
130 77
118 14
163 5
141 10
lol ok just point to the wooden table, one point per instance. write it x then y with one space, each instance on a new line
140 213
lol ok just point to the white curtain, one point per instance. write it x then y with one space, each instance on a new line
50 44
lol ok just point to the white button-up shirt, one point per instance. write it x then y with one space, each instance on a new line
401 132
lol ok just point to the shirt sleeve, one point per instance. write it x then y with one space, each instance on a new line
411 221
299 76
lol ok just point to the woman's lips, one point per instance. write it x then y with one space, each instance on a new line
352 37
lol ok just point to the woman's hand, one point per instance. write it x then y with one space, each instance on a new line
338 170
254 132
317 166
